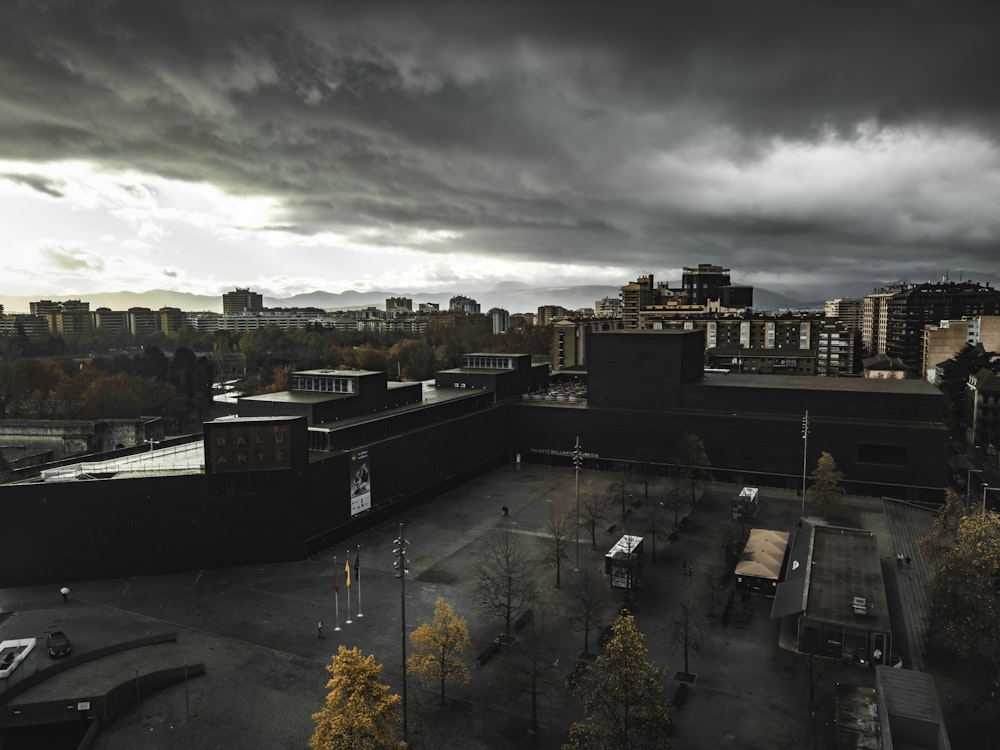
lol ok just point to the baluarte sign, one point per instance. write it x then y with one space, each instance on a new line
249 447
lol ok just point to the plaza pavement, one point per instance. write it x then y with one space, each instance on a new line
254 628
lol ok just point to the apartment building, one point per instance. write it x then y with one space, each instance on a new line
894 319
64 318
241 301
849 311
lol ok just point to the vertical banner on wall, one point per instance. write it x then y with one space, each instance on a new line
361 487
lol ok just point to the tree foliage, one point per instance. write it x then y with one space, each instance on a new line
360 713
946 523
955 374
623 699
965 607
439 645
505 577
826 478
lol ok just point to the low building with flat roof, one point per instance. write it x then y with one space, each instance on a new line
834 587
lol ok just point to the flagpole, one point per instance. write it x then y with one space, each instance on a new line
348 621
336 591
357 575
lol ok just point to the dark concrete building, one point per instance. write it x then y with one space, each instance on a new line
329 395
244 499
504 375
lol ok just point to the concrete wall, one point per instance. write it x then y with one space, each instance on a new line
67 438
57 533
642 369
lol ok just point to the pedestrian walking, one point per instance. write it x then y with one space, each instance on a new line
505 511
65 593
319 630
899 559
907 561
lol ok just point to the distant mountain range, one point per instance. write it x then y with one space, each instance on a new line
511 296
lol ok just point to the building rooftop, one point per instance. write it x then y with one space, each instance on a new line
338 373
846 566
814 383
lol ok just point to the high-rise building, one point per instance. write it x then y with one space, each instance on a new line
465 305
241 301
875 319
837 348
905 313
170 320
636 295
68 317
706 282
549 314
500 318
608 307
946 339
399 305
847 311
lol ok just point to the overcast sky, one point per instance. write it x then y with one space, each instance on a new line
295 146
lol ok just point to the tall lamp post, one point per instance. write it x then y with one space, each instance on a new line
577 460
401 565
805 448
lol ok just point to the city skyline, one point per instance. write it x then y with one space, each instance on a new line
454 147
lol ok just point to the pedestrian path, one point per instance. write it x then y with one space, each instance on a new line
908 524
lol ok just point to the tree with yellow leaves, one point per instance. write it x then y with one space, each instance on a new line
965 591
360 713
439 645
623 699
825 482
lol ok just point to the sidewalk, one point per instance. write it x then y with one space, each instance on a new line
254 628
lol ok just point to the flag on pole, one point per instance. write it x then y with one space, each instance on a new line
336 583
347 572
357 563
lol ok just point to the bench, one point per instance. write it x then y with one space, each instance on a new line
523 619
492 650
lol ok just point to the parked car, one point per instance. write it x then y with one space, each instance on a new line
57 644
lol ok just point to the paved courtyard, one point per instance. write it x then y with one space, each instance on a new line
254 628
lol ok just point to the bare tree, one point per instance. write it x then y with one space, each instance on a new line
686 630
504 577
692 463
626 469
673 500
655 524
589 593
556 544
531 668
593 513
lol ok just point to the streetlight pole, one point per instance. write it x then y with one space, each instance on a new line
577 460
805 448
400 564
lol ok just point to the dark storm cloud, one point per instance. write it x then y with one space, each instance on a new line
40 184
647 136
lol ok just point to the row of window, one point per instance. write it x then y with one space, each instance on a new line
487 362
322 385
